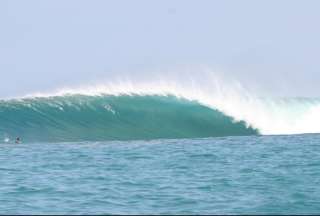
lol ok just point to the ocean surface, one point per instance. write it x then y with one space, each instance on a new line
159 153
223 175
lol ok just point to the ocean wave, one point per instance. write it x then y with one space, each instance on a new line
93 111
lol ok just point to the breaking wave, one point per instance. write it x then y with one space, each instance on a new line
150 110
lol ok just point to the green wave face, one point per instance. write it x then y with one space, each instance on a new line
126 117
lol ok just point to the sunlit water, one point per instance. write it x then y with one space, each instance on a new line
252 175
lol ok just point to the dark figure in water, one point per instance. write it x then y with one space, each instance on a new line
18 140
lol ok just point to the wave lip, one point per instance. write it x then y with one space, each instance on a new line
114 117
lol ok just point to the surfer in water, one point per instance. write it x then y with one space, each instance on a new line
18 140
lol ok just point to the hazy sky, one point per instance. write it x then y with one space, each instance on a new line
45 44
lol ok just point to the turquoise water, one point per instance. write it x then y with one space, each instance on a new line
246 174
125 117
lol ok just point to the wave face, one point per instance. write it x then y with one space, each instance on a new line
113 117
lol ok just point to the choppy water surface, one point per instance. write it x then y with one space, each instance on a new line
253 175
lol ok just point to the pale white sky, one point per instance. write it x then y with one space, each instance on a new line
45 44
